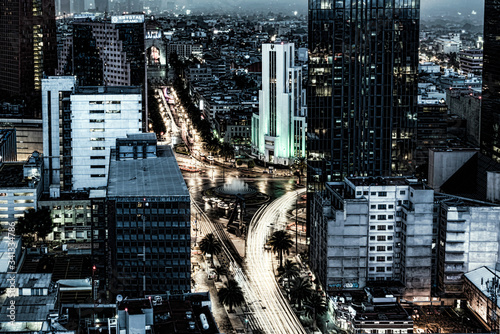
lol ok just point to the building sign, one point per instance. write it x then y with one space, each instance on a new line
128 19
354 285
84 16
153 34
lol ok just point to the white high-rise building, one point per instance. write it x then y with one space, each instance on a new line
99 116
80 125
278 131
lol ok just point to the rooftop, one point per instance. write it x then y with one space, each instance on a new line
110 90
12 175
139 136
5 133
482 277
146 177
384 181
29 308
26 280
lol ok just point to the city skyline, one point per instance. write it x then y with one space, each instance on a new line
208 213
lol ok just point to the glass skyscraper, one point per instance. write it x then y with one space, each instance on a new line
362 91
490 107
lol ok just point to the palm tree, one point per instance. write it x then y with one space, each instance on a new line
227 151
231 295
300 290
210 245
289 271
281 242
220 270
315 305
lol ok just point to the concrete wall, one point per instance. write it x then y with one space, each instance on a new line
418 251
444 163
469 108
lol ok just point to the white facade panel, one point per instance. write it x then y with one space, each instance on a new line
97 120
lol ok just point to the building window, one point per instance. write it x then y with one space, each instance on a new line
372 237
381 206
391 206
381 238
372 217
380 269
372 227
94 157
97 166
371 269
381 217
382 193
402 192
380 248
373 206
98 148
372 258
380 258
97 175
381 227
373 193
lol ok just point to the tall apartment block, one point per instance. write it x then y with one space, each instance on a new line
373 229
81 124
362 92
469 238
490 106
29 47
278 131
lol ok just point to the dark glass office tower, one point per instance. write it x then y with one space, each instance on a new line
362 91
490 107
28 46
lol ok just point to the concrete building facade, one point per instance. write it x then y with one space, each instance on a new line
100 115
21 187
373 229
468 239
148 210
80 125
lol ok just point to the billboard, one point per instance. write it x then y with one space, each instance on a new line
153 34
139 18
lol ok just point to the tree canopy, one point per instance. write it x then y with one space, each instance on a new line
231 295
35 223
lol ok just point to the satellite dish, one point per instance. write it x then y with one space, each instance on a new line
119 298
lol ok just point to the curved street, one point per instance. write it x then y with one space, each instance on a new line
259 268
266 310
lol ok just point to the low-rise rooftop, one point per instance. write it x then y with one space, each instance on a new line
146 177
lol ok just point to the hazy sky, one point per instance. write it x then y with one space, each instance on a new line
463 6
